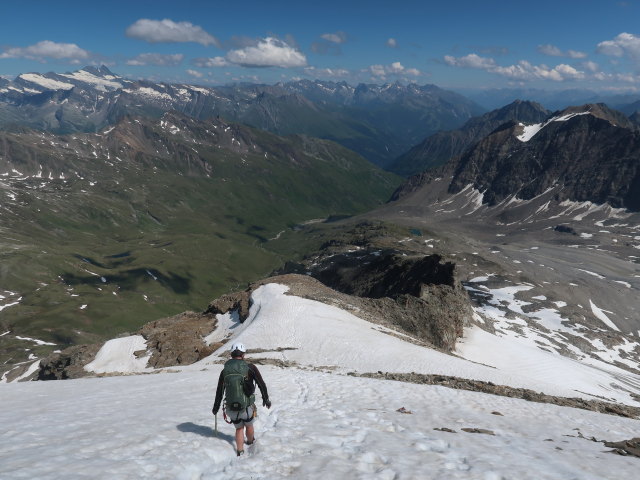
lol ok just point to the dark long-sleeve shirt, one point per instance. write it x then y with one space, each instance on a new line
254 377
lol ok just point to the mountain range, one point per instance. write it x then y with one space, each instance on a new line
378 121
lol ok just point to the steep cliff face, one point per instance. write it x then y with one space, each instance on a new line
588 153
439 148
592 152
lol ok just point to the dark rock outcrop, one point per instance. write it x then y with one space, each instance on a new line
588 153
238 301
593 153
179 340
67 364
439 148
419 294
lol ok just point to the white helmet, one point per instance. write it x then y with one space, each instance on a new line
238 347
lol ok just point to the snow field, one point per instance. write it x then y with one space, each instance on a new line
321 425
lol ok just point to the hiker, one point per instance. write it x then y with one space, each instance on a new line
238 378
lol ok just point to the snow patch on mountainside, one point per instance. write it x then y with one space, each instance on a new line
48 83
530 131
119 355
102 83
520 325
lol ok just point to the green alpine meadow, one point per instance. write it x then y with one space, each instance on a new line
104 232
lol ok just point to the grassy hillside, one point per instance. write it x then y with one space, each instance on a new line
152 219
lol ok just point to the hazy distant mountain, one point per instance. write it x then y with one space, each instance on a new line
552 99
439 148
379 122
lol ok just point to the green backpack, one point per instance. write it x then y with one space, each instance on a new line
236 376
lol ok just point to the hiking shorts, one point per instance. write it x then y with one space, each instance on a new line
243 417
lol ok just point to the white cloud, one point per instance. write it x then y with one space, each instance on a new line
156 59
568 72
550 50
327 72
338 37
590 66
48 49
195 73
523 70
395 68
625 44
203 62
470 61
270 52
554 51
377 70
627 77
576 54
160 31
392 43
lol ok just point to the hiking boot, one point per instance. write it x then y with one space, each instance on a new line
239 452
247 442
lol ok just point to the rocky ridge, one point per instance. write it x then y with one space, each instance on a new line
377 121
443 146
418 296
526 161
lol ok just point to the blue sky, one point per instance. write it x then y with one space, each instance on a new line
454 44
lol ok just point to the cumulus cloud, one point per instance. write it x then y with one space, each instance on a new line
204 62
327 72
156 59
554 51
270 52
195 73
338 37
41 51
168 31
550 50
523 70
625 44
330 43
470 61
392 43
590 66
395 68
576 54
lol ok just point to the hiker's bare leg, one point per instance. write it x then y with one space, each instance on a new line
250 433
240 439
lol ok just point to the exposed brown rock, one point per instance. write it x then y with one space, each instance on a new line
238 301
68 363
626 447
178 340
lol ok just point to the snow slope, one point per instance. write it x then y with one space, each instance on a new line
323 423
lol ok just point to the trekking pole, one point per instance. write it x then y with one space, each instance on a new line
216 425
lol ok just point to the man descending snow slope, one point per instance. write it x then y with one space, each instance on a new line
238 379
